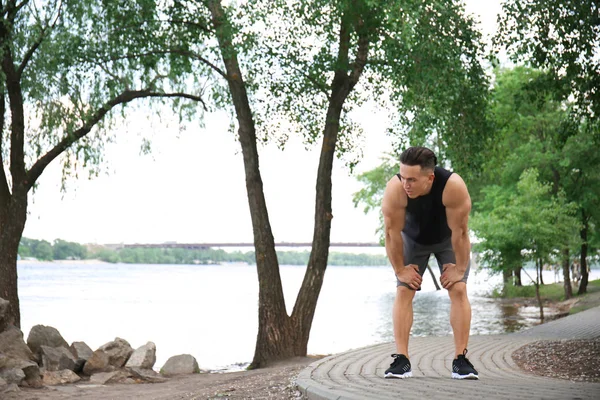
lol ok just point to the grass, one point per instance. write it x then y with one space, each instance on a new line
552 291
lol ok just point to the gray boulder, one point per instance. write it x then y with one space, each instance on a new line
16 356
183 364
11 388
82 352
102 378
57 358
98 362
52 378
12 375
12 345
41 335
109 357
146 375
143 357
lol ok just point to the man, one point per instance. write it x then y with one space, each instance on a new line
426 210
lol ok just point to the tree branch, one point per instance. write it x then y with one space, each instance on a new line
124 98
362 55
202 27
17 129
12 6
173 51
37 43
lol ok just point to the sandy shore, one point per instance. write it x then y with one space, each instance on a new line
276 382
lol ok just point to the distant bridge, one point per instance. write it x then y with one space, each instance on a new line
172 245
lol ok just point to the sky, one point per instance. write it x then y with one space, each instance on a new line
191 188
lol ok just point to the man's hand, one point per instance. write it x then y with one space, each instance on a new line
450 275
410 276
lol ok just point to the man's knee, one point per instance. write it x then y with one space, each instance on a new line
404 294
458 291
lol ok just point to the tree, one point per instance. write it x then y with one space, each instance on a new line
305 72
560 37
64 250
66 67
523 222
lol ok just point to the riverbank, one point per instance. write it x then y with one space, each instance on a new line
558 359
276 382
553 297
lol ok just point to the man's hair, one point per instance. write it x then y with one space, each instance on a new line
419 156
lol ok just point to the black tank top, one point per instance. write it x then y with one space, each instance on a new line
426 215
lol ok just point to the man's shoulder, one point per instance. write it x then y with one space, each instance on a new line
455 190
394 193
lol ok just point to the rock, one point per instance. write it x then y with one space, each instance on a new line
3 309
11 388
12 375
143 357
2 382
17 356
109 357
119 351
41 335
32 374
82 352
29 368
180 365
147 375
57 358
52 378
98 362
12 345
103 378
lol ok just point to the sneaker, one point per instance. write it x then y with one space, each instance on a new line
462 368
399 368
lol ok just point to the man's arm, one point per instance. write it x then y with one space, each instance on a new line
394 214
458 206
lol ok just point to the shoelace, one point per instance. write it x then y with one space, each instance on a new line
465 359
397 358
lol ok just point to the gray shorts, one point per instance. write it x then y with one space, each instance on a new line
418 254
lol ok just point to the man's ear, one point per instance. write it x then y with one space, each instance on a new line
431 176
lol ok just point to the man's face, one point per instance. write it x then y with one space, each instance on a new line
415 180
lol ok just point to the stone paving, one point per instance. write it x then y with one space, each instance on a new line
358 374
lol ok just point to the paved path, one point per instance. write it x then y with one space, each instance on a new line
358 374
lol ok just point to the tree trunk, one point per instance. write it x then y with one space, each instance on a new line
280 336
435 282
583 260
541 271
12 223
566 275
517 272
506 277
341 86
539 300
277 338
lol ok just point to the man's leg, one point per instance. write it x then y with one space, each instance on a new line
460 307
460 316
402 317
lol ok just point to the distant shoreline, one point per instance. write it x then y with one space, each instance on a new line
36 261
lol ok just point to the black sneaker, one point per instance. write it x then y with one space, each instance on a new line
462 368
399 368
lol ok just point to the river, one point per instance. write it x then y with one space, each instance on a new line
210 311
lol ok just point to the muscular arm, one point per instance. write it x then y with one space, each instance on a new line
394 212
458 206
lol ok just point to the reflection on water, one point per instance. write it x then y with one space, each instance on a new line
211 311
